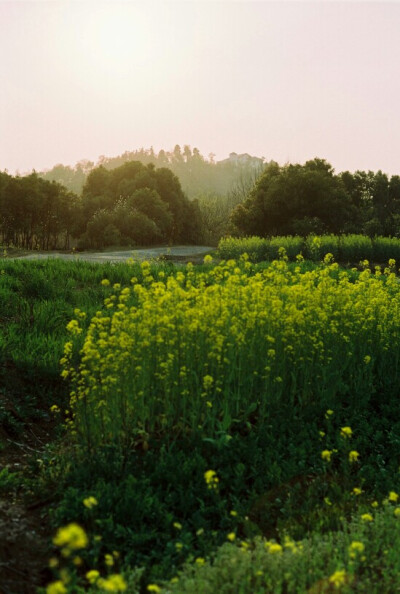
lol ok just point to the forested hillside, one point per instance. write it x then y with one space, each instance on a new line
198 175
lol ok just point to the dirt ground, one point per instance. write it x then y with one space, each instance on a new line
24 532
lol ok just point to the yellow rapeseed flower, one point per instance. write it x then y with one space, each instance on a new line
72 537
108 560
56 588
153 588
177 525
353 456
326 455
90 502
367 518
92 576
397 512
357 491
113 583
393 496
208 381
338 578
231 536
328 413
210 476
53 562
355 548
346 432
275 548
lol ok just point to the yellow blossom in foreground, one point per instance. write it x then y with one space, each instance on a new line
200 561
72 536
108 560
208 381
338 578
397 512
53 562
275 548
356 547
357 491
113 583
328 413
92 576
353 456
177 525
231 536
367 518
153 588
210 476
326 455
393 496
56 588
90 502
346 432
374 504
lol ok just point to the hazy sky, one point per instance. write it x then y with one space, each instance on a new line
285 80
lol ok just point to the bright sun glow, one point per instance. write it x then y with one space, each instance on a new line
115 36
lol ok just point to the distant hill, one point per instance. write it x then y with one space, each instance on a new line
198 175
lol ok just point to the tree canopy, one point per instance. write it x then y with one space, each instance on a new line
301 199
136 204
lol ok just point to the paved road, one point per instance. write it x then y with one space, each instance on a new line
178 251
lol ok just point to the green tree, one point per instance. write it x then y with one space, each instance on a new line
293 199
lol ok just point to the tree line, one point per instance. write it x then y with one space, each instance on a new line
132 204
311 198
140 204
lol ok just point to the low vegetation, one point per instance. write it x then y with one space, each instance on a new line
346 249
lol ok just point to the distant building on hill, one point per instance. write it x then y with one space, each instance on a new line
244 159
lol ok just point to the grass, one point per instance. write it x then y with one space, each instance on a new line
176 342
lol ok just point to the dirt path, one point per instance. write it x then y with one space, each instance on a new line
174 253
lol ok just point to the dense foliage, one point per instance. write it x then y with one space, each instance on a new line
136 204
36 214
311 198
132 204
